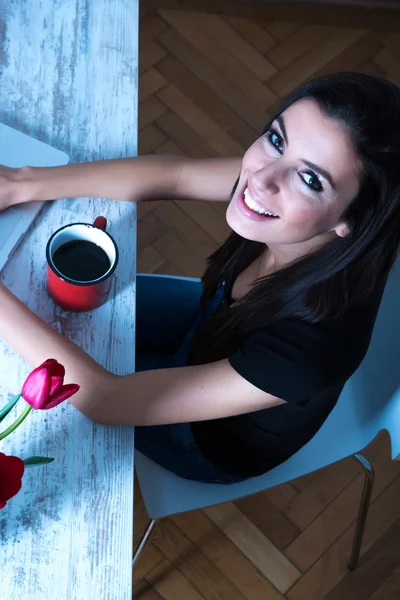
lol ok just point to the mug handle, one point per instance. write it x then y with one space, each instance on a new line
100 222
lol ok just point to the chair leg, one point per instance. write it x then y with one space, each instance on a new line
363 512
144 540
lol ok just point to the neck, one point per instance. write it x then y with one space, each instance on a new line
278 256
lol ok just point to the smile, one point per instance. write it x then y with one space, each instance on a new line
254 206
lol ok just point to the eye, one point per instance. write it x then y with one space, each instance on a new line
312 181
275 140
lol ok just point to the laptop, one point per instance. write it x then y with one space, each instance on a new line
19 150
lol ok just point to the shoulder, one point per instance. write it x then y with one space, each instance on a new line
291 357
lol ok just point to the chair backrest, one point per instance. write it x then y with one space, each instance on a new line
369 403
377 381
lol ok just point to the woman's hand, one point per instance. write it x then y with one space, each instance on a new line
14 186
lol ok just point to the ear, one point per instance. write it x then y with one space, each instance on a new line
342 229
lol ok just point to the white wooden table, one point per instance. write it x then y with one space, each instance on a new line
69 76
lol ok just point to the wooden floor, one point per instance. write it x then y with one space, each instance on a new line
206 85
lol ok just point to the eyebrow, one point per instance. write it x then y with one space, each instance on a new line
313 166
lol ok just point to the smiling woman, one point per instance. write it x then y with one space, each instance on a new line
238 372
304 170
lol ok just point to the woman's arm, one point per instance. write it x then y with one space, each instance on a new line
156 397
131 179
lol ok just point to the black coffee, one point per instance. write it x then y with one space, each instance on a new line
81 260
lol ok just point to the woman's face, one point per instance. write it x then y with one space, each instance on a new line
296 180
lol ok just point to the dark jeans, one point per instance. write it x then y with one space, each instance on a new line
166 312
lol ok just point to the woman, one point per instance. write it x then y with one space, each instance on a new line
238 375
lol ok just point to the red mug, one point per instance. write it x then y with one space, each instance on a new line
73 292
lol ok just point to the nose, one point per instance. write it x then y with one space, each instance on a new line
266 180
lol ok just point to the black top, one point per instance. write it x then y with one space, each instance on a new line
305 364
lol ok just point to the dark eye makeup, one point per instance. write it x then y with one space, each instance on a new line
309 178
275 140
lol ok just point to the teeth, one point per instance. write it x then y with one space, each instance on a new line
252 204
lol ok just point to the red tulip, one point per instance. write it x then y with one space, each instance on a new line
11 471
44 388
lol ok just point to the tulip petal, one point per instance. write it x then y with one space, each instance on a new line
14 464
55 368
11 471
36 389
65 392
10 488
56 384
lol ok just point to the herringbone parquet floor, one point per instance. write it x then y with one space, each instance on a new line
206 85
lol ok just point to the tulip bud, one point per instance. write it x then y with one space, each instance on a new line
44 388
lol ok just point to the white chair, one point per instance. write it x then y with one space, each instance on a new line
369 403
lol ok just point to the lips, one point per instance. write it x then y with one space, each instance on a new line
259 213
256 206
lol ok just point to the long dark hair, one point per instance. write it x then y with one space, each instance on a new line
341 275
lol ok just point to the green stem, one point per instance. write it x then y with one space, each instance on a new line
16 423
